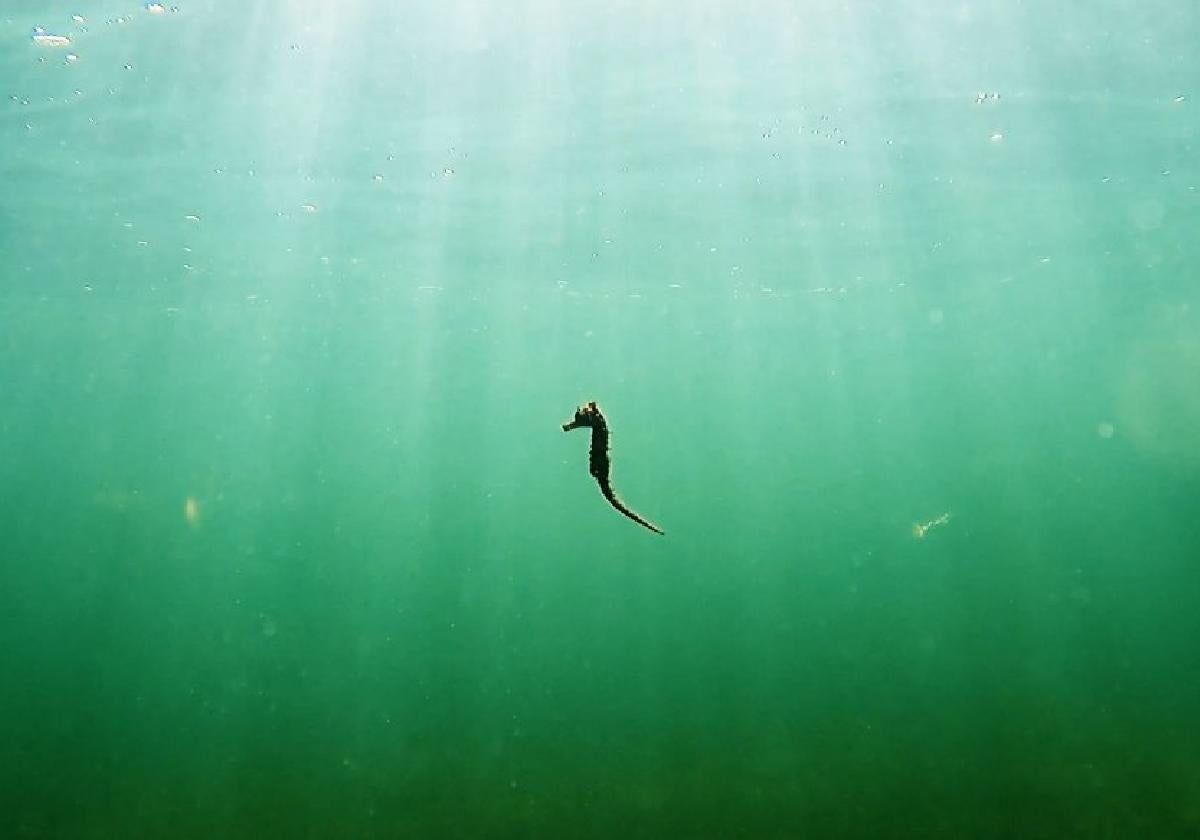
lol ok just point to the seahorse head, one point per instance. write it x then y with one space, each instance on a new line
586 415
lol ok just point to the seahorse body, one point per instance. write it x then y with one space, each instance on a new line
589 415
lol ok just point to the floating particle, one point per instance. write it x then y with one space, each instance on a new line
378 177
1105 430
997 137
309 208
78 18
191 217
447 172
920 529
46 39
191 511
155 8
1180 99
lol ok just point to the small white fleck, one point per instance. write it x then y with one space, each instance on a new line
997 137
45 39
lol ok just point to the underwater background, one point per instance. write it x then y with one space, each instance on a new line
892 308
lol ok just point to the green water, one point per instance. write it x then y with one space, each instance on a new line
294 298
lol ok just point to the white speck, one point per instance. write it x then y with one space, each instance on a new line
378 177
447 172
72 58
78 18
997 137
309 208
1105 430
191 217
45 39
1179 99
128 66
155 8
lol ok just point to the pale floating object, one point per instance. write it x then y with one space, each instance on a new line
155 8
920 529
1105 430
46 39
191 511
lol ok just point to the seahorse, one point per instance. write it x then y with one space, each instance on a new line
589 415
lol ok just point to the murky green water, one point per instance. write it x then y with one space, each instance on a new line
892 308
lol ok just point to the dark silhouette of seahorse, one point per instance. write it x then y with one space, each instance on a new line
589 415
